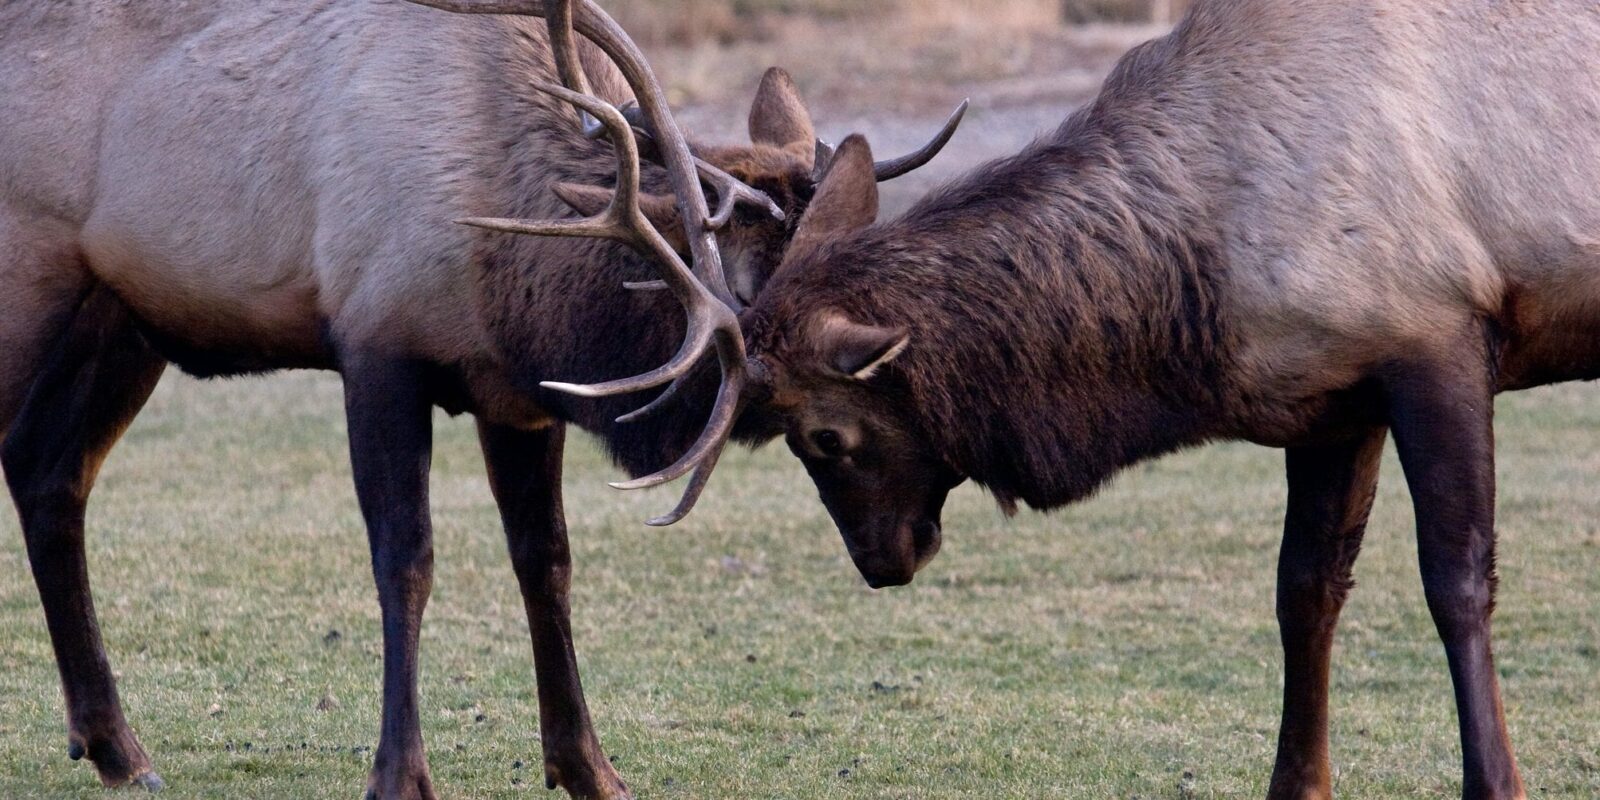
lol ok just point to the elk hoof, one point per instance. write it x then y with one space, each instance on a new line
76 750
408 782
595 782
150 781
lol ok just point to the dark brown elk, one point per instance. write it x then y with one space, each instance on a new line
1301 224
241 187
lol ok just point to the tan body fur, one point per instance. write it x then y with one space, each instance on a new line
166 173
1383 173
262 181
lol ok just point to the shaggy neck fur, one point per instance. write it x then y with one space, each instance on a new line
1061 305
556 309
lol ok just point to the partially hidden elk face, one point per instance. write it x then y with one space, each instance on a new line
780 161
831 384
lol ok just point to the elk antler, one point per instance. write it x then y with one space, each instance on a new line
730 190
895 167
708 304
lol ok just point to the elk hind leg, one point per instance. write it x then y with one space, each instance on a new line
86 394
41 284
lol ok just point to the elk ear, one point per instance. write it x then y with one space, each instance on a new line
857 350
846 199
779 117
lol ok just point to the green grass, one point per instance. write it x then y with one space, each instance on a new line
1121 648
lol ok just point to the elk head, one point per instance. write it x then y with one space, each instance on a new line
831 383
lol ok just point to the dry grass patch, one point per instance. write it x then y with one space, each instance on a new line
1123 647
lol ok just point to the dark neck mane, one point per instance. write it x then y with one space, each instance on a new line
1062 308
556 309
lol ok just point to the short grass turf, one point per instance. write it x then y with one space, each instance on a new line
1121 648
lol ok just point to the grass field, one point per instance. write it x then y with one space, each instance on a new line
1122 648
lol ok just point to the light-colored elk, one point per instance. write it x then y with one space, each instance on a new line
244 186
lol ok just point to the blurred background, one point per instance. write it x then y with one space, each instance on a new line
892 69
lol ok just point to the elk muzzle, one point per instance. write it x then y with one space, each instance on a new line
890 548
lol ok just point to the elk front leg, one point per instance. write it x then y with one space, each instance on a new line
1330 496
1442 414
391 441
525 474
94 385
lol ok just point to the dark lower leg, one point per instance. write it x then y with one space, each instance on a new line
82 400
391 441
1330 495
525 474
1443 423
1489 766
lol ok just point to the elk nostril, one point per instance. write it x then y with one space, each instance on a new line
924 534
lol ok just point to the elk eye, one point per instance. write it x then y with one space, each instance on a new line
828 443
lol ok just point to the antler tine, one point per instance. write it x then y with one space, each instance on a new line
894 168
569 67
576 229
730 190
624 221
620 221
611 120
649 409
702 457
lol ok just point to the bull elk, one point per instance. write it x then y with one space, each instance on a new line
239 187
1304 224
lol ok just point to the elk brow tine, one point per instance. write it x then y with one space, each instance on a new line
709 442
588 228
821 159
730 192
894 168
